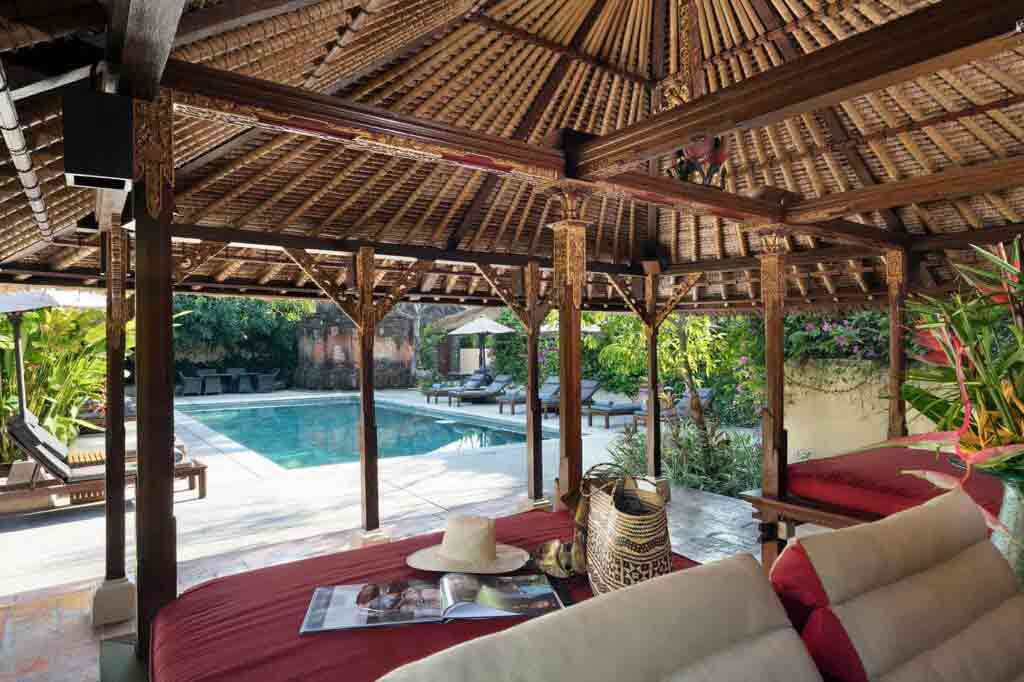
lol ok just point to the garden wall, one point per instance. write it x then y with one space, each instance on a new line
327 352
836 406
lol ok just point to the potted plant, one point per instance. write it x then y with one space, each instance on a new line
970 382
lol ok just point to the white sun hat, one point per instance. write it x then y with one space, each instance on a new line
469 546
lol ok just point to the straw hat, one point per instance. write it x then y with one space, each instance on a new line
469 546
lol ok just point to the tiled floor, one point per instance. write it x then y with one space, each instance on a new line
258 515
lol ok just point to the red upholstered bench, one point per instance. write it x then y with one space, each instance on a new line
246 626
872 482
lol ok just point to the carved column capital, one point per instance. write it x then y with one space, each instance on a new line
896 272
570 260
773 243
154 156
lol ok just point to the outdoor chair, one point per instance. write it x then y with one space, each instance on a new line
265 382
609 409
681 410
234 377
439 390
483 394
512 396
244 384
191 385
588 387
51 455
212 385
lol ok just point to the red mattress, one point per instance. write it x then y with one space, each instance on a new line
246 626
872 481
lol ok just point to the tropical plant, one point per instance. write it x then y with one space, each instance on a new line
65 365
971 377
226 332
731 465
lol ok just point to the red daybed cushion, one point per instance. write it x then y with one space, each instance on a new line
872 481
246 626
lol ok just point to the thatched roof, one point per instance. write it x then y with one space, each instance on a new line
523 69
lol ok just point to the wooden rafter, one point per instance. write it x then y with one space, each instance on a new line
952 183
570 52
408 280
678 294
326 284
139 39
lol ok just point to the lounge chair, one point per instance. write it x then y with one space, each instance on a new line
512 396
51 455
588 387
608 409
475 381
482 394
680 410
191 385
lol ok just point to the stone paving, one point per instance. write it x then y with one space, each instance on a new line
258 514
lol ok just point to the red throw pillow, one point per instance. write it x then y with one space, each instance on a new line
807 604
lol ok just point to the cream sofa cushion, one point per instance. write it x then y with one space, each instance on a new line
720 621
921 596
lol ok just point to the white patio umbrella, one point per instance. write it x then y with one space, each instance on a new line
585 329
481 327
14 303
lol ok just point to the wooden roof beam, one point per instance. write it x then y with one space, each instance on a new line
958 31
211 93
139 39
231 14
281 240
964 239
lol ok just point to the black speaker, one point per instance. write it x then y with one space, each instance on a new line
97 139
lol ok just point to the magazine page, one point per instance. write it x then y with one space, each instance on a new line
345 607
476 596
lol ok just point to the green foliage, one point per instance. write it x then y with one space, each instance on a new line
861 335
731 465
239 332
429 341
65 364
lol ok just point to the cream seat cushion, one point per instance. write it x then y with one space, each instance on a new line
921 596
720 621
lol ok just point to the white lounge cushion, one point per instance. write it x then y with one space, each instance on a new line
720 621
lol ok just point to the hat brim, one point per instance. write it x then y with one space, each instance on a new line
508 559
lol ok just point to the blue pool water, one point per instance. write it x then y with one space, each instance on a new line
325 432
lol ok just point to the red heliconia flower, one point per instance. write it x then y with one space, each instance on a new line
935 355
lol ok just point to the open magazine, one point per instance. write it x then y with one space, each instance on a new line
454 596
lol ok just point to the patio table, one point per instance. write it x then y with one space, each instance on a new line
246 626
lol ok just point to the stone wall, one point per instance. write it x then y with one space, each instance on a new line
328 348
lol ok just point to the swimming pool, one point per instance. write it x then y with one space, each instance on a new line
300 434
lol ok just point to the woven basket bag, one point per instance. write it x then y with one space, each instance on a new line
625 548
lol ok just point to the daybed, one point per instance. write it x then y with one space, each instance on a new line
920 596
588 387
866 486
246 626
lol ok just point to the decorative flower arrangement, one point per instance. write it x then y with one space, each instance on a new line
970 383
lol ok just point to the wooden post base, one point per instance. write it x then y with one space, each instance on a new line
113 602
543 504
368 538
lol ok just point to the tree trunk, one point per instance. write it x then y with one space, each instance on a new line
696 408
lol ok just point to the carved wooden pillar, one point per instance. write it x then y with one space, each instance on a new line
773 478
367 330
534 437
653 391
117 318
896 278
153 204
570 262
